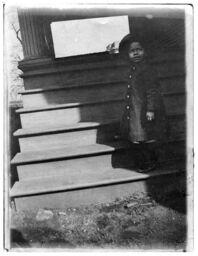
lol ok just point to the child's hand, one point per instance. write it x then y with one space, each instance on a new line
150 116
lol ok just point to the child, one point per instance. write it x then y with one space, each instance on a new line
143 122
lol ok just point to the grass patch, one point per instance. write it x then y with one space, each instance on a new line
135 222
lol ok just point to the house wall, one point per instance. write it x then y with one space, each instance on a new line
90 79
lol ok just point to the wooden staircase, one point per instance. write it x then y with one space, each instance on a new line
69 155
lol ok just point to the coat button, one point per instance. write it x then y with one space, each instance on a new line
128 117
128 86
128 96
127 107
130 76
133 67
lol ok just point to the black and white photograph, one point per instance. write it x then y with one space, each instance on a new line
99 127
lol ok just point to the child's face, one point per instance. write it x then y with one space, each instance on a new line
136 52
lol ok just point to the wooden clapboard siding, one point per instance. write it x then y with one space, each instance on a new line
172 85
177 127
175 104
170 69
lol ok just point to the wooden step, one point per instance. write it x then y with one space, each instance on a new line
75 135
167 96
62 192
67 114
64 167
66 153
83 134
91 92
118 157
63 161
20 133
74 94
43 78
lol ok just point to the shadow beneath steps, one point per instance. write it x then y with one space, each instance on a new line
17 239
175 184
169 191
36 237
13 147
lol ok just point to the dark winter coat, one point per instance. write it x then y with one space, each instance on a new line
142 95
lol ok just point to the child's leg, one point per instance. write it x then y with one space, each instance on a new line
146 156
152 149
157 152
140 155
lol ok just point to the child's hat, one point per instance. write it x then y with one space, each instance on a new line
126 40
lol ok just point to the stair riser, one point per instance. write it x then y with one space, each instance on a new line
103 194
66 167
75 95
95 75
74 138
67 116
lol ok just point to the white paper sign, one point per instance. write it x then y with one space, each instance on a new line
85 36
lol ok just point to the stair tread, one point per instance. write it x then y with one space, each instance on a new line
65 87
61 106
67 152
104 177
56 129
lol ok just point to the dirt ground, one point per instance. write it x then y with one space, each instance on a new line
137 222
